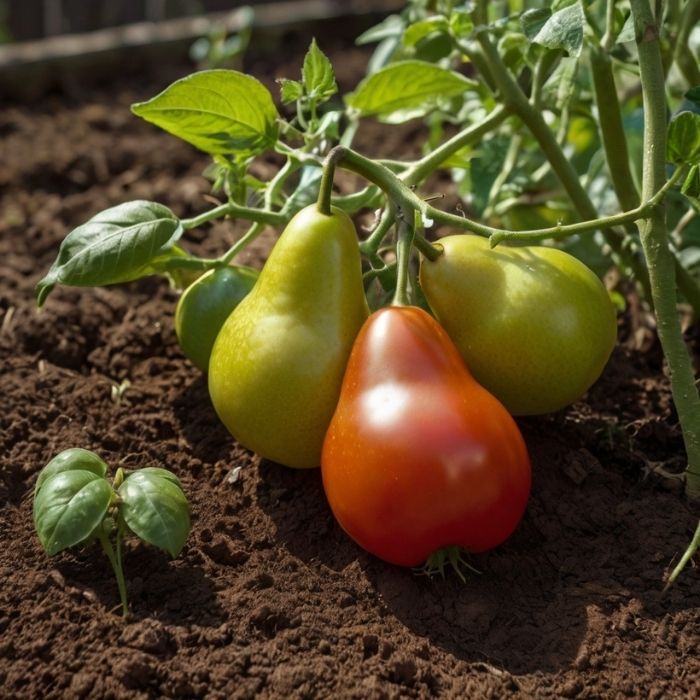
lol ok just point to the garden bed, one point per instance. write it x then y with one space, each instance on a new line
269 597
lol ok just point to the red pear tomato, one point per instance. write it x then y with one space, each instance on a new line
418 456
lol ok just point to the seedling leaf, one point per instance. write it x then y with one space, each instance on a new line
68 508
75 458
155 509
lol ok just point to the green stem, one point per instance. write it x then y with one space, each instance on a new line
641 212
608 40
118 479
118 572
612 134
420 170
612 131
687 556
654 236
509 163
408 200
248 237
404 243
326 188
430 251
370 246
237 212
367 197
543 70
275 185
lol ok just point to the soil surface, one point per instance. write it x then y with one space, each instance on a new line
269 598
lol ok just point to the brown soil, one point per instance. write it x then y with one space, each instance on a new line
269 597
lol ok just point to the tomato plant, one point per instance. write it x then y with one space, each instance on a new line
74 504
418 456
539 116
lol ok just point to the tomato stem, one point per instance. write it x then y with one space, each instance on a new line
404 242
452 555
326 189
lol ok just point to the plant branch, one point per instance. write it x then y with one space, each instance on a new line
418 171
366 197
235 211
608 40
614 140
515 100
275 185
248 237
326 189
408 200
641 212
612 131
654 237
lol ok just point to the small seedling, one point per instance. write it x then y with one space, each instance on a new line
74 504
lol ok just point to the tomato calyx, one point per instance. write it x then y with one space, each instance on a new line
435 564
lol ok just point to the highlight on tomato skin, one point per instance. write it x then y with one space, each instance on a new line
419 456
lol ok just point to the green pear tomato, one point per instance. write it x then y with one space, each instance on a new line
534 324
205 305
278 362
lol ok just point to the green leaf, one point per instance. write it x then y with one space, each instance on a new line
532 21
684 139
290 90
68 507
159 473
407 89
419 30
155 509
306 191
390 28
75 458
627 31
317 74
218 111
114 246
461 24
562 30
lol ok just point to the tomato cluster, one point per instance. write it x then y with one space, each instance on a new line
417 454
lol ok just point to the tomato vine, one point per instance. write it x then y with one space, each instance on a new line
544 124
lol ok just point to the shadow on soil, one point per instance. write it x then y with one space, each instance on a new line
581 554
177 592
